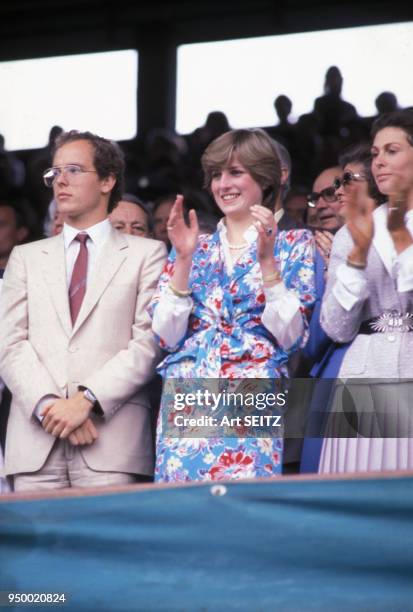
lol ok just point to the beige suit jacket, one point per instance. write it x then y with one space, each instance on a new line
110 349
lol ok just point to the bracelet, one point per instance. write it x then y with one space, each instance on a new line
356 264
178 292
271 277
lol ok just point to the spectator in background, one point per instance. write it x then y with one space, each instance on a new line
12 170
162 165
54 221
14 229
386 102
131 216
160 214
58 222
295 204
216 124
337 121
283 219
333 113
38 162
283 107
327 205
284 132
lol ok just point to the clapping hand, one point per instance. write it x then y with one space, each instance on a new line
267 232
324 241
182 237
360 222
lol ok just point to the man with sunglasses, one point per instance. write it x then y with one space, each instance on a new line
76 345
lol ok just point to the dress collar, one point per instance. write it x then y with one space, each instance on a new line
250 233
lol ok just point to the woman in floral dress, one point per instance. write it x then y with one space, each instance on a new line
231 305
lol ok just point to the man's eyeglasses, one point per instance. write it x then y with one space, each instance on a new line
347 178
328 194
70 171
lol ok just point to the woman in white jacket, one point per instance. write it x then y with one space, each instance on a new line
369 302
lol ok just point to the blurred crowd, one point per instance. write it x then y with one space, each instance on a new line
163 163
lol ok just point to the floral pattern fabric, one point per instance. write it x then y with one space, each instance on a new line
226 339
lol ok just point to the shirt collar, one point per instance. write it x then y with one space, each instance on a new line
250 233
97 233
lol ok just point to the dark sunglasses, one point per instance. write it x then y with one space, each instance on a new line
328 194
347 178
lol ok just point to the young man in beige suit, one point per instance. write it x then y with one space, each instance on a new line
76 345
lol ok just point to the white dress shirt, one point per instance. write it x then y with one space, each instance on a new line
98 235
351 284
281 316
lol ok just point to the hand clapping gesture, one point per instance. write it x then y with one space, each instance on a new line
182 237
324 241
360 224
267 232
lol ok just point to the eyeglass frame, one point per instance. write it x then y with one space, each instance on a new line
314 196
63 170
347 177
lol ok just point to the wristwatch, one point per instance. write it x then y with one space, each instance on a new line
87 393
89 396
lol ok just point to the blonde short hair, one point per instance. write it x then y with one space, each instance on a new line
255 150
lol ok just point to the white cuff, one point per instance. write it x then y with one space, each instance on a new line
282 316
41 405
170 319
275 292
350 286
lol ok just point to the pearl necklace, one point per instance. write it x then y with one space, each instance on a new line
237 247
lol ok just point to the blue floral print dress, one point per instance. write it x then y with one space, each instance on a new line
225 338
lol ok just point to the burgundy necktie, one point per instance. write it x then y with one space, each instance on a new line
77 287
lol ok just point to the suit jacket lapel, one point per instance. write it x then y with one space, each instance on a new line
54 272
113 253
